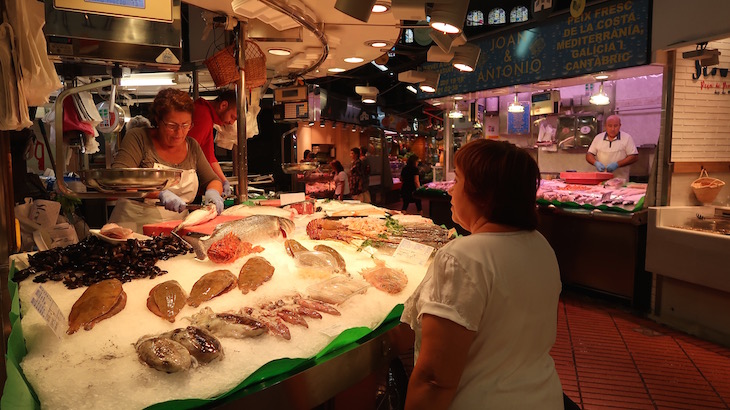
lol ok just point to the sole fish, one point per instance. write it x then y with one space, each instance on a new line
166 300
210 285
254 273
99 301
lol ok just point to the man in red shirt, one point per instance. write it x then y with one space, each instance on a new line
221 111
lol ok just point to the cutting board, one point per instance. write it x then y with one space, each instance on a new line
586 178
164 228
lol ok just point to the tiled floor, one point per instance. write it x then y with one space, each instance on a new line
609 358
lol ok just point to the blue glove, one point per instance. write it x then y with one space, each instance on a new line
227 190
171 202
599 166
212 196
612 166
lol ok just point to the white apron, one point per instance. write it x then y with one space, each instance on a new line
135 214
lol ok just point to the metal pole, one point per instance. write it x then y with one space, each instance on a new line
242 148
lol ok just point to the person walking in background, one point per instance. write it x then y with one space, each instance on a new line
356 174
221 111
410 181
342 186
485 314
364 160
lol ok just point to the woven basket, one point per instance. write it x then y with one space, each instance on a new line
223 66
706 188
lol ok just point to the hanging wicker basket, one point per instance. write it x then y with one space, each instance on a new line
223 66
706 188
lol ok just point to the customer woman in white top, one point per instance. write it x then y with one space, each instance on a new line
485 315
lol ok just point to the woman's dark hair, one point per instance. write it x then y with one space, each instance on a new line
337 166
502 180
412 160
306 154
169 100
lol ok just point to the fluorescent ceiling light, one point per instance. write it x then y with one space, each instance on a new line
336 70
411 89
354 60
458 97
156 79
279 51
380 66
436 103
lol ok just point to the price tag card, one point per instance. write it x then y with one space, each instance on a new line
47 307
287 199
413 252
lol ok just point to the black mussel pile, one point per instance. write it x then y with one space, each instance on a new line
93 260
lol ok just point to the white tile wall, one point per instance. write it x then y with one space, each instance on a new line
701 122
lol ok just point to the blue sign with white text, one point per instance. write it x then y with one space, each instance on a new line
609 36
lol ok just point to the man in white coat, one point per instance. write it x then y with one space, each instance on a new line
613 150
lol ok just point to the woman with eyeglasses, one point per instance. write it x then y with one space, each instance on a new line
166 146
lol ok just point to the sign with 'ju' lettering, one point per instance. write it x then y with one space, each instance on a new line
608 36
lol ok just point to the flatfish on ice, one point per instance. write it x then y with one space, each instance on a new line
99 301
210 285
254 273
166 300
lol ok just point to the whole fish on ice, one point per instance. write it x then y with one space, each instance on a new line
199 216
253 229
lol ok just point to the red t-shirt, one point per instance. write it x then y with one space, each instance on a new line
204 117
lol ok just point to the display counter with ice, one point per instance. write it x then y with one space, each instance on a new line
271 311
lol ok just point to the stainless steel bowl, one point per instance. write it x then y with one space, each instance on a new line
125 179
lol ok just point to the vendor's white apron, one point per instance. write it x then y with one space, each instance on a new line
135 214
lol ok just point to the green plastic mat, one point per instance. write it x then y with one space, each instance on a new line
637 207
19 394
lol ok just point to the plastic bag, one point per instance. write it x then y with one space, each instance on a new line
38 73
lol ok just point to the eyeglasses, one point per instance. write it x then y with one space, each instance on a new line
174 126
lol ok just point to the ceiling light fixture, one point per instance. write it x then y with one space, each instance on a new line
377 43
515 105
458 97
280 51
369 94
379 66
455 112
380 7
321 124
336 70
600 98
431 82
411 89
601 76
448 17
436 103
357 9
466 57
354 60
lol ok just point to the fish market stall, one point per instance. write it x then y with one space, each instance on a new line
598 232
276 315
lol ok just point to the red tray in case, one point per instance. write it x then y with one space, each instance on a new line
587 178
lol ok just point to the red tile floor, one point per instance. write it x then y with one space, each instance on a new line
609 358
